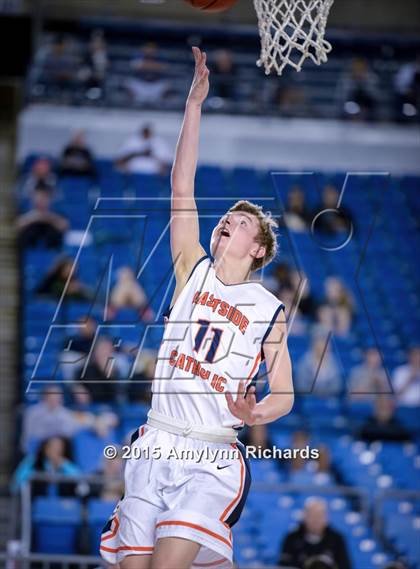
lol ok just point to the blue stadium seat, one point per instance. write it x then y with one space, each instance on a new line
88 450
56 521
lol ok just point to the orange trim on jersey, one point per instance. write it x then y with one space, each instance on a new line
126 548
142 431
256 362
239 494
212 564
195 526
113 531
251 374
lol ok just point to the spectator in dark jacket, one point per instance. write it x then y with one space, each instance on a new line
383 425
62 276
77 158
40 225
314 537
330 217
102 373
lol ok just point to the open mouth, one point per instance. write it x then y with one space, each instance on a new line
224 233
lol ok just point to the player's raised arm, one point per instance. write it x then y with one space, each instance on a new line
185 244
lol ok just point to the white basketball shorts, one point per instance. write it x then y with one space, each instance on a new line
198 495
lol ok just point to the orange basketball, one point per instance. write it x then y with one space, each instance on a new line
212 5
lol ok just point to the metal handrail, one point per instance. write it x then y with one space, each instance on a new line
384 495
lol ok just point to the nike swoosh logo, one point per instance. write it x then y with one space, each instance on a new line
221 467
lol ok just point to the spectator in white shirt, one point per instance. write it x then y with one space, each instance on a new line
48 418
406 380
144 153
147 84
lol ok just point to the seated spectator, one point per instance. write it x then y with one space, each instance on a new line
144 372
406 380
280 279
307 304
52 457
101 375
77 347
97 61
318 372
40 225
144 153
76 158
147 84
300 441
101 421
407 87
81 342
369 378
328 218
47 418
322 471
314 537
60 62
338 304
297 216
322 323
60 277
359 91
127 292
383 425
292 286
223 75
41 177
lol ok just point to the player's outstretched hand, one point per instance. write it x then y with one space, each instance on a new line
200 84
244 407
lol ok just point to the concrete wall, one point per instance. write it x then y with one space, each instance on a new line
291 144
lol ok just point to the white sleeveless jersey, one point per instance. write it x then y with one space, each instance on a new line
213 338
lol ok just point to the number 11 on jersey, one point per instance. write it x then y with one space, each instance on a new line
203 331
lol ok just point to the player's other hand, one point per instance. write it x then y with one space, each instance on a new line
200 84
244 406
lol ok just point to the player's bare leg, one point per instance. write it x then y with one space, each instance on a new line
174 553
136 562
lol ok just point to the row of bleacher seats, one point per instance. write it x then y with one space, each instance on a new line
317 89
384 223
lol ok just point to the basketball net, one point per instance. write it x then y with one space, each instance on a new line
292 31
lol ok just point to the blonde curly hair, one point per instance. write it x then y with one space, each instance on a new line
266 236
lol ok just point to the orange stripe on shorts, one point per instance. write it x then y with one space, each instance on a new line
195 526
126 548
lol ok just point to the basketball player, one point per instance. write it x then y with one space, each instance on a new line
177 513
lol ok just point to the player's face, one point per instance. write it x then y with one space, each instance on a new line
235 235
